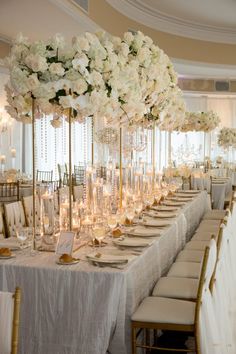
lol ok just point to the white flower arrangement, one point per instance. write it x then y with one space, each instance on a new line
200 121
96 75
227 137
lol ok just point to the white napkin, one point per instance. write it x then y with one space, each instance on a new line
108 258
132 242
156 223
141 231
6 315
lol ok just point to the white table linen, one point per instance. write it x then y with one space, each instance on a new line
85 309
6 316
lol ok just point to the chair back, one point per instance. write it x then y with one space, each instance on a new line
79 175
78 192
9 325
2 229
14 217
28 208
208 267
9 192
44 176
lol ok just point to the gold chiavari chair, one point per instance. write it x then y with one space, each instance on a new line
159 313
44 176
28 210
2 228
9 192
14 217
10 302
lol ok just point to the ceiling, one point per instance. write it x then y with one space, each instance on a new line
213 20
40 19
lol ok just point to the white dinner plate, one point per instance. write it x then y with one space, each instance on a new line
67 263
7 257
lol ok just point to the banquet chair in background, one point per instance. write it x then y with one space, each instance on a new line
14 217
167 314
10 315
44 176
28 209
9 192
78 192
2 228
61 170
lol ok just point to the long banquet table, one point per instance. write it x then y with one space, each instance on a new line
85 309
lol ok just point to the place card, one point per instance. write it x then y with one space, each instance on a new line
65 242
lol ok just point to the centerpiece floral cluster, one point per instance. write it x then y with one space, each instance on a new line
200 121
121 80
227 137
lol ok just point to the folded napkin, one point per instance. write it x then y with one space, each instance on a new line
132 242
179 199
173 203
165 208
11 243
108 258
141 231
155 223
190 191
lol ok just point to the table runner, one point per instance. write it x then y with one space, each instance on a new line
85 309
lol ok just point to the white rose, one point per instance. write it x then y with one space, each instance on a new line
80 43
62 84
36 62
79 86
128 37
80 62
44 91
95 79
57 41
66 101
73 75
44 105
25 119
33 82
57 69
11 111
56 123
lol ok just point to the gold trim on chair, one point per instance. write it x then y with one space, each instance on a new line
16 321
193 328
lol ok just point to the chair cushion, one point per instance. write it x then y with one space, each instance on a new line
190 256
185 270
208 227
196 245
210 222
204 235
215 215
164 310
177 288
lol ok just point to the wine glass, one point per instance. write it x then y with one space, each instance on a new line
138 206
130 213
22 235
112 222
99 233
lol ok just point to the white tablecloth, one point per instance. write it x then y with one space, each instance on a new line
82 309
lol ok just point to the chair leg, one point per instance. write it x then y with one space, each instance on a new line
147 341
134 340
